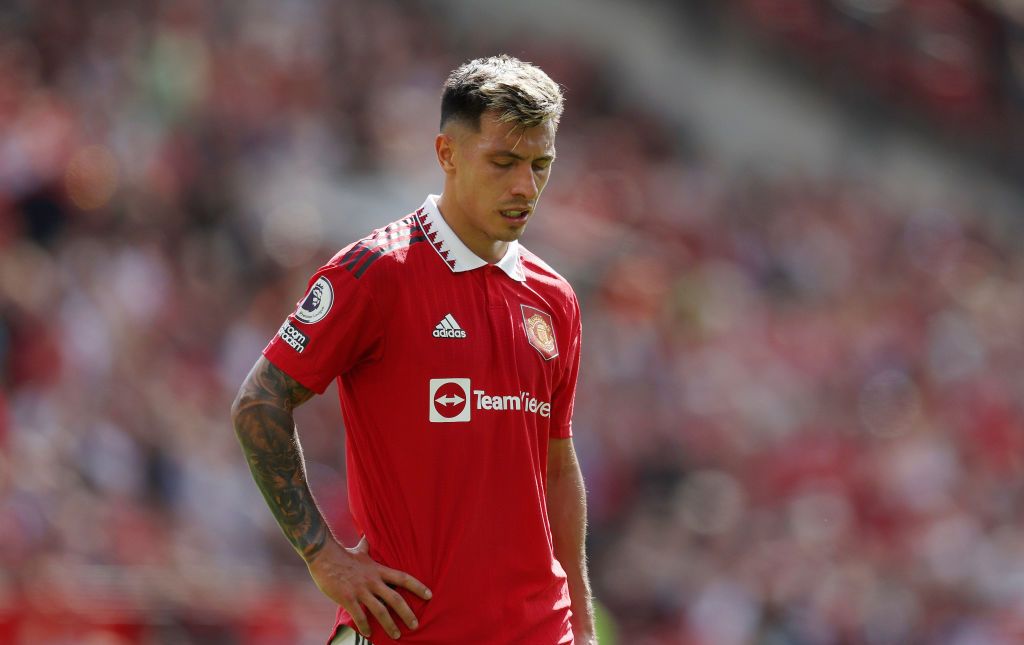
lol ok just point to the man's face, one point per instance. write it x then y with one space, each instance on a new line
497 176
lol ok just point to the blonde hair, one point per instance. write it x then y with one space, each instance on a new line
516 91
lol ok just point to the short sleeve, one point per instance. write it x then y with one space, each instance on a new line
564 397
335 327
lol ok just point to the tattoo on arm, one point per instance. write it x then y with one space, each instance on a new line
265 427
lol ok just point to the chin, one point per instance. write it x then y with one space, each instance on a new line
510 236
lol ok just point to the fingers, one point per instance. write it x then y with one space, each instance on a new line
358 616
402 579
398 604
363 588
377 608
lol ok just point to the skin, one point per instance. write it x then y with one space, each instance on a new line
567 512
265 427
498 167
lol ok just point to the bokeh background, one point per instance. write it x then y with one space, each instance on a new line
794 227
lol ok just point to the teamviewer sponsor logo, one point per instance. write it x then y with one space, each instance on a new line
449 400
523 401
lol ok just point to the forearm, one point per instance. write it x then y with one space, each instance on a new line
566 499
272 450
265 427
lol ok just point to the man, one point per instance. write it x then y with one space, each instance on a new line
456 352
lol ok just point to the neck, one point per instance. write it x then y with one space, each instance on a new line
487 249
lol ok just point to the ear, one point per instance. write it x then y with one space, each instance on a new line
444 146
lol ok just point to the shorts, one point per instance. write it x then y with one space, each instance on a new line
348 636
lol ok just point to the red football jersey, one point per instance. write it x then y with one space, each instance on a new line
453 374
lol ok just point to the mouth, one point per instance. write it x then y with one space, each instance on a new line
515 215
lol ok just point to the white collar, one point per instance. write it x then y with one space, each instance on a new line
454 251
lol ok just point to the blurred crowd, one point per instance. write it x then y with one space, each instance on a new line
956 64
799 413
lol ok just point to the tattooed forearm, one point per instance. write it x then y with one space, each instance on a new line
262 415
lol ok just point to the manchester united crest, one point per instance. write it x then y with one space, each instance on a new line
540 332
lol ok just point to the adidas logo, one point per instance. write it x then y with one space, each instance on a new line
448 328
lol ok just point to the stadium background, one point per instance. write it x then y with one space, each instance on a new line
794 228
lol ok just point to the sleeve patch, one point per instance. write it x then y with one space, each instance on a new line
317 302
293 337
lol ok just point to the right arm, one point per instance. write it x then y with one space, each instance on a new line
262 414
265 427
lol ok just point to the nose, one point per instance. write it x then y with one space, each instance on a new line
525 183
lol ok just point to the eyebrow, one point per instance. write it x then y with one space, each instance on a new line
515 155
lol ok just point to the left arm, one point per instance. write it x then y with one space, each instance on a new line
567 512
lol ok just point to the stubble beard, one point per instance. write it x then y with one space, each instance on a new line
510 234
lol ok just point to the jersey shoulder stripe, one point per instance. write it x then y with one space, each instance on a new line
398 235
360 250
391 231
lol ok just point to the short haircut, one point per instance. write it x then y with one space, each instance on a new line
518 92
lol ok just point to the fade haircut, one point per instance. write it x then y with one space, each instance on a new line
516 91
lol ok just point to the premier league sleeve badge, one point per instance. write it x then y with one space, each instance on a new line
316 303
